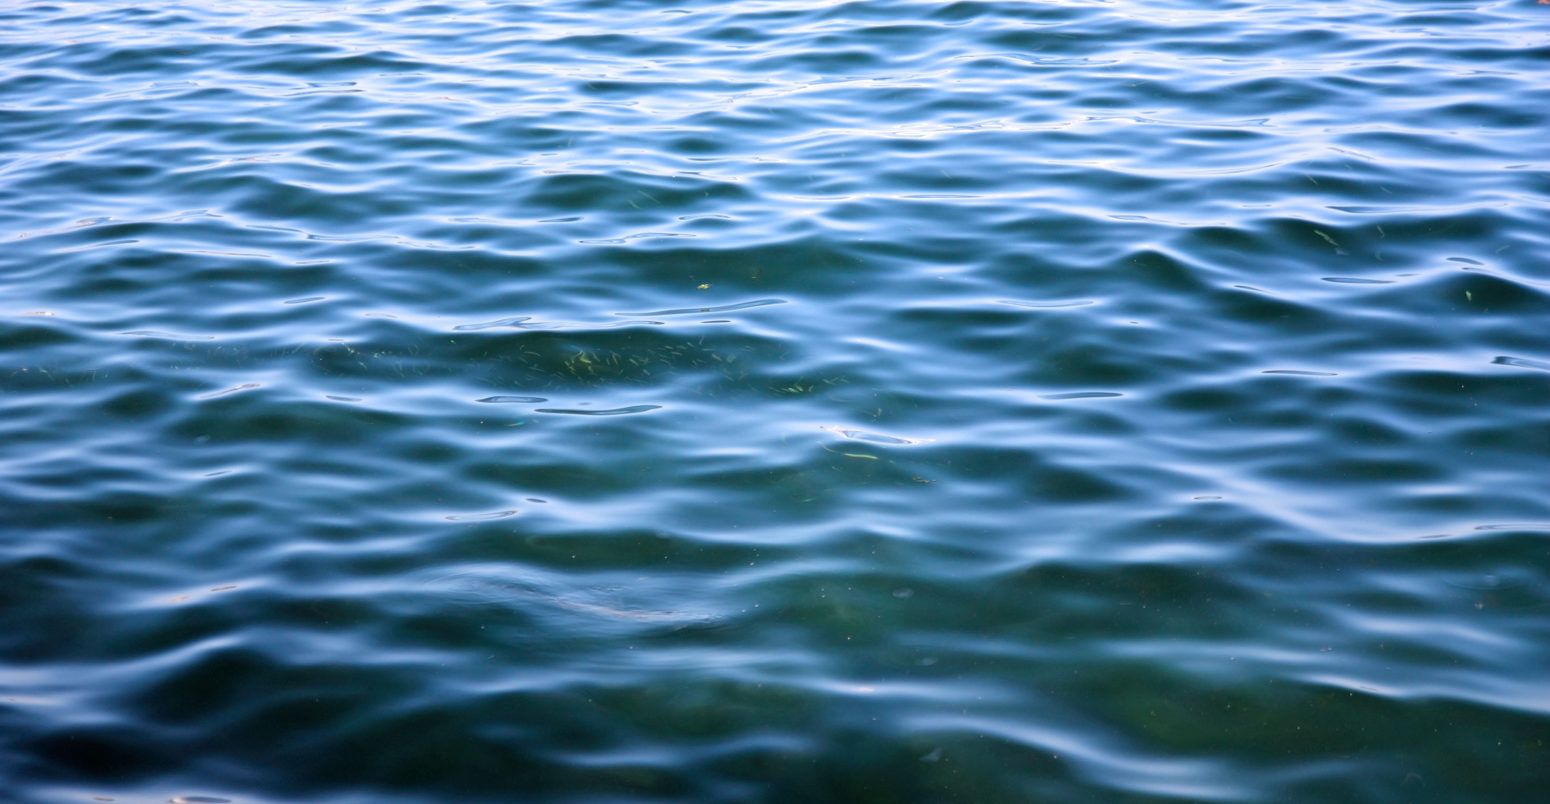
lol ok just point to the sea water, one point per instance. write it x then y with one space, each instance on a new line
774 401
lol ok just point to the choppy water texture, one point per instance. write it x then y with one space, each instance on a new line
775 401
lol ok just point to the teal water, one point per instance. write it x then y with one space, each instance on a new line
607 401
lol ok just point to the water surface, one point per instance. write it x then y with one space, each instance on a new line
774 401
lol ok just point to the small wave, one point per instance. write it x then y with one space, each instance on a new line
724 308
232 390
514 321
615 241
603 601
1047 305
481 517
512 400
875 438
1082 395
1522 362
172 336
625 411
1356 280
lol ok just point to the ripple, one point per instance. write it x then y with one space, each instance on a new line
1048 305
1082 395
506 399
232 390
481 517
615 241
1525 526
724 308
274 271
875 438
624 411
1521 362
176 336
1356 280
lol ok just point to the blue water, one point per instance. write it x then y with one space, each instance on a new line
778 401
